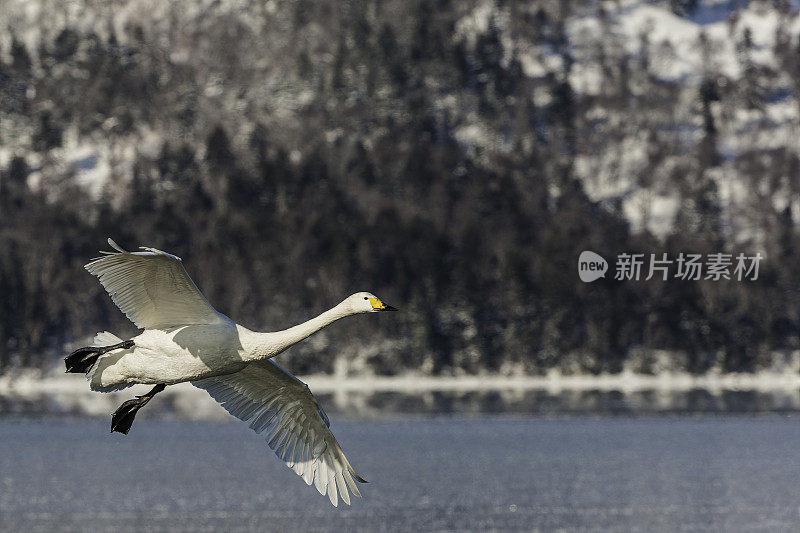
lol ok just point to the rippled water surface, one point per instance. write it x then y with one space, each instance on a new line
736 473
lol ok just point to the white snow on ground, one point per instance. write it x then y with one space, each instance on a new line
649 212
676 40
72 394
476 22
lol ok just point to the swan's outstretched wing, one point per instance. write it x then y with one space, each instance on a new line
152 288
296 426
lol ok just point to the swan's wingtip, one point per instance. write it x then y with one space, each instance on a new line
149 250
114 245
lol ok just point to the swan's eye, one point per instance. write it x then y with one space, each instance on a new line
366 298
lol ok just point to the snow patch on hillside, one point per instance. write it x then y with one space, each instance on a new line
685 51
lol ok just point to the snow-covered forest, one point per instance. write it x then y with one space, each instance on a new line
453 157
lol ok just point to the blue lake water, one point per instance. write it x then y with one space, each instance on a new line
652 473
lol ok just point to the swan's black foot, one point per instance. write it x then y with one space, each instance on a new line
122 419
81 360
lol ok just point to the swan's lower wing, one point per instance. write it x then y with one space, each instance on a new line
295 426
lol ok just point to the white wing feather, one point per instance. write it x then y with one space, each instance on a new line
152 288
296 428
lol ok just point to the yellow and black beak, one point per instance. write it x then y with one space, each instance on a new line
378 305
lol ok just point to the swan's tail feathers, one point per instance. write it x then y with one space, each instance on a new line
105 338
82 360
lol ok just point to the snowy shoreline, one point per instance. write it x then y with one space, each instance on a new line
767 391
27 383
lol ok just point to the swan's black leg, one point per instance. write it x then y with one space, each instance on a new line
81 360
122 419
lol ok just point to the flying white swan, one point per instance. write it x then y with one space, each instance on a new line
186 339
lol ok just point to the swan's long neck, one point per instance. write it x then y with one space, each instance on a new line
265 345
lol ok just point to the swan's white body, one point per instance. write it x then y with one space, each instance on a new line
157 357
186 339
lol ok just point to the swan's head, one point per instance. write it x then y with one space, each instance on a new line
366 302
